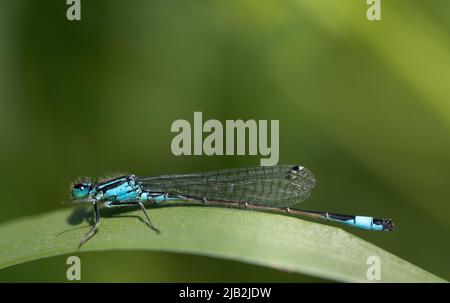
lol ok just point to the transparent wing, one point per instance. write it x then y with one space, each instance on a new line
280 185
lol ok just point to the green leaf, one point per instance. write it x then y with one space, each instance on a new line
264 239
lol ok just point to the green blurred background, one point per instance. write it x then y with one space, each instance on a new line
364 105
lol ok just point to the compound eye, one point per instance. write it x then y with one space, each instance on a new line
81 190
82 186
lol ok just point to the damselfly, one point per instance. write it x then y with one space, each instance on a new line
273 188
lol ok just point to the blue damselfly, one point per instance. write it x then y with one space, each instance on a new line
274 188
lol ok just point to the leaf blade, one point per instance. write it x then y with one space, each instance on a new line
264 239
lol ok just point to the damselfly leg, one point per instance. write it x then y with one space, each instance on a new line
147 220
94 228
149 223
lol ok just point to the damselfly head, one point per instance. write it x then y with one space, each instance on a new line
81 190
